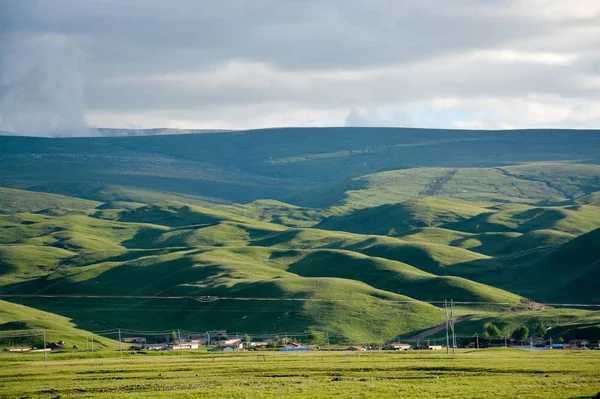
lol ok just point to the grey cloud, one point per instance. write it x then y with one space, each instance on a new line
401 51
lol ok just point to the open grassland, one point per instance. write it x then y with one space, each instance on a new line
502 373
371 223
360 265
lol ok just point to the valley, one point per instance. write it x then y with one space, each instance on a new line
360 232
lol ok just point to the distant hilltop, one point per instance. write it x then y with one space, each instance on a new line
118 132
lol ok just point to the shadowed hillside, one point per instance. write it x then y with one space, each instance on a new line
276 163
350 230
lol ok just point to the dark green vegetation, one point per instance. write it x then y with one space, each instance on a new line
373 223
481 374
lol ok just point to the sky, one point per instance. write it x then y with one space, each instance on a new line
66 65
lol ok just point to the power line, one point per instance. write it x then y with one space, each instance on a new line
206 299
209 299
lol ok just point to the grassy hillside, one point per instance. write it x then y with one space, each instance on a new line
278 212
578 264
178 249
563 323
22 320
275 163
19 201
522 219
347 215
533 183
395 219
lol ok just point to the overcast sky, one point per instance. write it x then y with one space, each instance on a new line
263 63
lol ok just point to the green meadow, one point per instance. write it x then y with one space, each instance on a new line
493 373
359 233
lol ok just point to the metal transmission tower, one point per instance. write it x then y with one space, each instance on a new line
447 323
452 321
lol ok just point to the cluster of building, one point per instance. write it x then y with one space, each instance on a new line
212 338
218 341
392 347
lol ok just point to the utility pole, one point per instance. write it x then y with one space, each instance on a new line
452 326
92 344
45 353
328 345
208 338
120 346
477 338
505 342
180 345
446 319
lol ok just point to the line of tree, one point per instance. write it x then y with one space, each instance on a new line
491 331
520 334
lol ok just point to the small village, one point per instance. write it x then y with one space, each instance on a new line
220 341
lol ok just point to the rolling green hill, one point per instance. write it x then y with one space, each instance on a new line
16 319
364 225
395 219
277 163
19 201
577 262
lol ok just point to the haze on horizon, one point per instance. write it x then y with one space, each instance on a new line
233 64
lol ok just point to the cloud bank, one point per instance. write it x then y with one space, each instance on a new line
235 64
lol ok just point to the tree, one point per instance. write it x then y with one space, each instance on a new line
247 338
491 331
521 333
561 340
317 337
540 330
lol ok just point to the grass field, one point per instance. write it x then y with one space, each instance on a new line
357 218
497 373
422 250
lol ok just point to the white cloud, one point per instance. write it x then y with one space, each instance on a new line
235 64
548 58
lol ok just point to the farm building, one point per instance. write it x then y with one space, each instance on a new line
356 348
231 342
183 346
397 347
435 347
227 348
156 347
579 343
17 349
196 340
257 344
